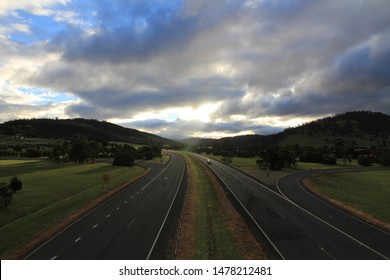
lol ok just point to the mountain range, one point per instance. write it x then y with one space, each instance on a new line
359 128
92 129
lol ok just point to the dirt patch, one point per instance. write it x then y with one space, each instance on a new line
46 234
186 229
247 244
355 212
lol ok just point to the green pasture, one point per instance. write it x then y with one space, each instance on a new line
51 192
368 191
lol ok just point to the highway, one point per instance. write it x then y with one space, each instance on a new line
126 226
294 232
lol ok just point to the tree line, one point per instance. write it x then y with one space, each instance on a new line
276 157
82 150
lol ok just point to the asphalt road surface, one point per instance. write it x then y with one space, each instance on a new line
292 188
126 226
298 233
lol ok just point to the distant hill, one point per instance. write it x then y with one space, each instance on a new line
359 128
68 128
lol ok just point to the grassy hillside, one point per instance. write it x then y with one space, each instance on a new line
364 129
353 129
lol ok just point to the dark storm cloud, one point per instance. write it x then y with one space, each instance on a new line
140 30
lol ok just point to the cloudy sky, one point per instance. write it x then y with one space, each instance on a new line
194 67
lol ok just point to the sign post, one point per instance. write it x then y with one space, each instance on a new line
106 180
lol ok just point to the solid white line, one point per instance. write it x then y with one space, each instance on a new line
76 221
155 178
318 218
326 252
337 229
130 223
169 210
338 209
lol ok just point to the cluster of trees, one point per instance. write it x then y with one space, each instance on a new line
7 190
81 150
25 150
274 157
126 154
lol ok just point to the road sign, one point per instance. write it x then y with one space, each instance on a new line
106 178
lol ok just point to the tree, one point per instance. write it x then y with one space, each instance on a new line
15 184
385 159
56 153
272 159
365 160
5 195
124 156
6 191
93 150
78 150
329 159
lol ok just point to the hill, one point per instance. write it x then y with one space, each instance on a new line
354 129
360 128
68 128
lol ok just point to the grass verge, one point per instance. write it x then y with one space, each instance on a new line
365 193
51 193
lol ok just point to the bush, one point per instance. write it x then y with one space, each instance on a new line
15 184
365 160
33 153
328 159
123 159
5 195
385 159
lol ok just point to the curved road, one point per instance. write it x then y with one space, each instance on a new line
293 189
293 232
126 226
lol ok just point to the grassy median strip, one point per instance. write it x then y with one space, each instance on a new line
367 191
51 192
213 237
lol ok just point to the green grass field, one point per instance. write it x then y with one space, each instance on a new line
368 191
51 192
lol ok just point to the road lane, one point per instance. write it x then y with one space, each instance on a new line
292 188
294 232
124 227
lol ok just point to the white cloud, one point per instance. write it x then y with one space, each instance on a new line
38 7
